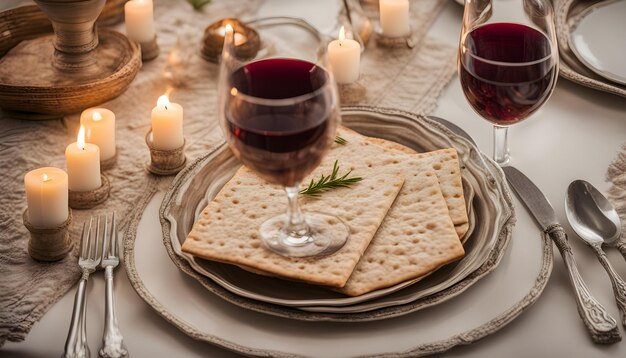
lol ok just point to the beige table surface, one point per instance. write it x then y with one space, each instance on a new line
589 126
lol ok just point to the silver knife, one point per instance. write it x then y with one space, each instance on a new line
601 326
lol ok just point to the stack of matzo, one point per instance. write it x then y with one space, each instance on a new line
403 217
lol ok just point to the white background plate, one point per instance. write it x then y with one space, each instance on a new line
203 315
599 32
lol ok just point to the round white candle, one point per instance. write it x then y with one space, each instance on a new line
344 57
167 125
99 126
83 164
139 20
394 17
46 196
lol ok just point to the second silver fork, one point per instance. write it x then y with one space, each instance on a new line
112 340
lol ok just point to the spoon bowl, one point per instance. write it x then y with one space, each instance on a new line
591 215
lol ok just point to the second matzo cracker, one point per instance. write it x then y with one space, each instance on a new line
416 237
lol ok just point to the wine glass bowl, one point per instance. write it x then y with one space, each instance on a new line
507 62
279 116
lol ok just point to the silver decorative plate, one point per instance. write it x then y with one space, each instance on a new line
485 246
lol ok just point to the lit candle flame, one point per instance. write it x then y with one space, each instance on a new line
45 177
342 34
80 141
163 101
228 28
96 116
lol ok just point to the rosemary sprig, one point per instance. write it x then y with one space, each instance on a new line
340 140
325 183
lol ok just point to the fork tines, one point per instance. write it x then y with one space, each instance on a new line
110 246
90 240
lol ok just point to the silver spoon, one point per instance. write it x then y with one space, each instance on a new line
595 220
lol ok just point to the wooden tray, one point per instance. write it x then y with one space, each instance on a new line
29 83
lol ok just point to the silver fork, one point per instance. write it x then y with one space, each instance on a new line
112 340
76 343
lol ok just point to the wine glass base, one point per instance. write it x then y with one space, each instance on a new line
326 234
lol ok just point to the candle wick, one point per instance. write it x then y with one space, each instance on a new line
165 107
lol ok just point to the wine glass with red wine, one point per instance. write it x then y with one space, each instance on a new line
508 62
279 115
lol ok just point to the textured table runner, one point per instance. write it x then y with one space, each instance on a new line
616 174
408 79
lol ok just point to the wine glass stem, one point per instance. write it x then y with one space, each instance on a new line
500 145
295 226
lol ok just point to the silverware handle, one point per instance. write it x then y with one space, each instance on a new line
621 246
76 343
112 340
601 326
619 286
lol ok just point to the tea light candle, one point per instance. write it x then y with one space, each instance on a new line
394 17
99 126
138 16
46 196
83 164
344 57
167 125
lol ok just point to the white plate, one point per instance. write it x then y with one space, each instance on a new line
480 311
595 36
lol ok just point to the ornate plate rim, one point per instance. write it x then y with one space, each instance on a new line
317 311
490 263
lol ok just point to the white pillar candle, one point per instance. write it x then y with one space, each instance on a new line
394 17
99 126
167 125
138 16
344 58
83 164
46 196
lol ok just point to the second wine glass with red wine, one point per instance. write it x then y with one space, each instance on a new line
279 116
508 62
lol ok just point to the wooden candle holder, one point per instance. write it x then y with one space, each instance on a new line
213 42
149 50
48 244
77 67
165 162
402 41
89 199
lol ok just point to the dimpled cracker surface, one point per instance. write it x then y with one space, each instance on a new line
227 229
416 237
445 163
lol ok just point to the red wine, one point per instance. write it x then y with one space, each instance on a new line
506 71
280 117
